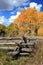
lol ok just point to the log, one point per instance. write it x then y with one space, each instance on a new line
24 54
31 38
10 38
26 50
18 44
28 44
7 48
16 38
13 53
6 43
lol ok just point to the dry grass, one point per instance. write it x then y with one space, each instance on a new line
23 60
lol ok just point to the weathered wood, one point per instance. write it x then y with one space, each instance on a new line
31 38
16 38
7 48
6 43
24 53
13 53
29 44
26 50
17 44
10 38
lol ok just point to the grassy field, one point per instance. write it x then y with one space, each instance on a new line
37 59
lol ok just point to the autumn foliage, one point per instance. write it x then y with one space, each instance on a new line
30 20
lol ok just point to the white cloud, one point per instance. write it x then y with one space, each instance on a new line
12 18
20 2
10 4
6 22
2 19
37 6
12 12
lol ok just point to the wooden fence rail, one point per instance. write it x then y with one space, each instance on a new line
15 38
7 48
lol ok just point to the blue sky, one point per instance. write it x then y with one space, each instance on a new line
11 9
